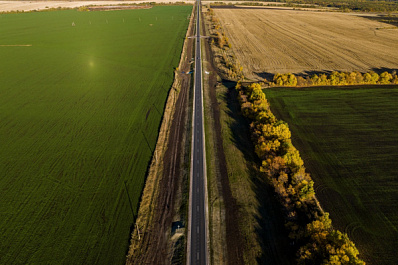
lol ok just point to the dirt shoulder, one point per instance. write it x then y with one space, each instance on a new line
161 235
226 236
241 201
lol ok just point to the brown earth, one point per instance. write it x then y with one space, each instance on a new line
281 41
157 247
154 245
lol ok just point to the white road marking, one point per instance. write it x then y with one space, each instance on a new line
197 126
197 229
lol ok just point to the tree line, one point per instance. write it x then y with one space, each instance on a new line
221 47
353 5
334 79
340 5
310 228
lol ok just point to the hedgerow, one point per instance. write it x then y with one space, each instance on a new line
335 79
310 228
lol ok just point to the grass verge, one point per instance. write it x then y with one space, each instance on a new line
263 236
260 221
216 203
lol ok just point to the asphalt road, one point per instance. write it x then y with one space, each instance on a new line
197 235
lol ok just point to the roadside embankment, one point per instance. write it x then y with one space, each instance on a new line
311 233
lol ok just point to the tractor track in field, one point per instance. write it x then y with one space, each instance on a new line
283 41
158 251
156 248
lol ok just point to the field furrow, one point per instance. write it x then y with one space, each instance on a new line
282 41
347 137
80 111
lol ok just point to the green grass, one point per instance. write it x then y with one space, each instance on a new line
265 240
79 116
349 141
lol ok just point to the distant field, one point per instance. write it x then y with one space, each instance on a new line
283 41
7 6
79 114
349 142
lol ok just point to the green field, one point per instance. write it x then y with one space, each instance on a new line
348 138
80 111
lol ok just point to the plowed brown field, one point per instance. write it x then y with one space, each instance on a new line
282 41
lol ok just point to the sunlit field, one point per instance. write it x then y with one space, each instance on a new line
81 99
348 139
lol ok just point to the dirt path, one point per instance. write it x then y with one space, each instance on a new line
156 245
158 251
233 235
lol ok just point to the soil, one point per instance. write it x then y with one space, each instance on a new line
156 247
233 235
303 42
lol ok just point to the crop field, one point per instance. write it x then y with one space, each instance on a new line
12 5
348 139
81 99
282 41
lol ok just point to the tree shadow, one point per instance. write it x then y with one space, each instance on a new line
176 226
269 225
264 75
305 78
269 76
380 70
392 20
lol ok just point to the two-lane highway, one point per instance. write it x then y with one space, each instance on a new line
197 223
